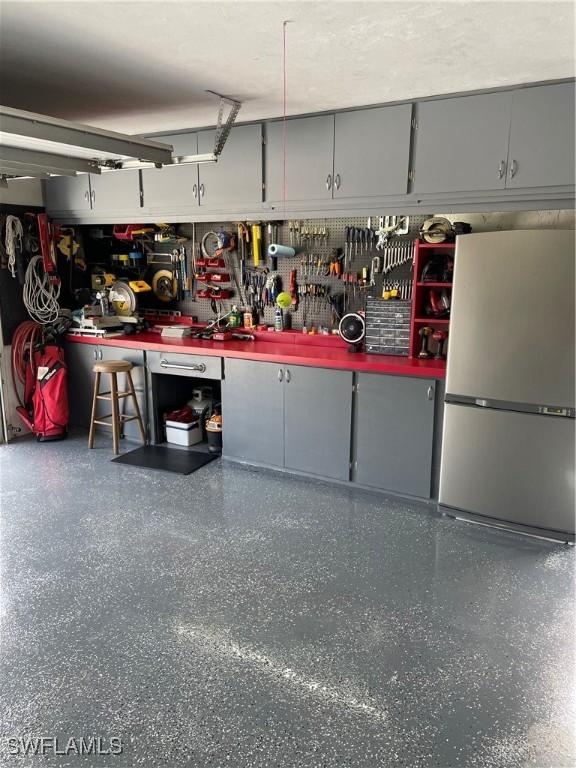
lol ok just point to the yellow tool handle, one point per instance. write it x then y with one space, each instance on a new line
256 237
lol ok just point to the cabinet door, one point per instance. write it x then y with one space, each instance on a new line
309 159
236 179
394 433
461 144
80 358
115 191
371 152
136 357
542 137
253 412
317 421
67 193
175 188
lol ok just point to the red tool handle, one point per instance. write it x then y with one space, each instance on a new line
47 248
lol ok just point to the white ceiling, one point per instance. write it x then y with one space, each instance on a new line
145 66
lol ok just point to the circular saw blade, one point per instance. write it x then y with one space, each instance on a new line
123 299
163 285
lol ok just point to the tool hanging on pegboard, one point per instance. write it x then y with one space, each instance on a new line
314 243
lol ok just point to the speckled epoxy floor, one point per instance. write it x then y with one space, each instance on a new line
244 618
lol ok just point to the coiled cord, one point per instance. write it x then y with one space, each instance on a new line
14 237
25 338
40 295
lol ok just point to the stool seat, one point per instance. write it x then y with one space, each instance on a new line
112 366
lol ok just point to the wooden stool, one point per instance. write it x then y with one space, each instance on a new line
113 368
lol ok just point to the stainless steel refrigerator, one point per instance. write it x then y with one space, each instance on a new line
509 428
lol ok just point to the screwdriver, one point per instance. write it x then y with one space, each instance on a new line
347 235
369 236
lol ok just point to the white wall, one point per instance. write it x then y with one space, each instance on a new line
499 221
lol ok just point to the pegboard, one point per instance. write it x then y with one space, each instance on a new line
311 311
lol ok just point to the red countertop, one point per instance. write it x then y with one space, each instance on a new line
288 347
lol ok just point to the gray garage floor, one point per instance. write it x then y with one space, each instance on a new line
243 618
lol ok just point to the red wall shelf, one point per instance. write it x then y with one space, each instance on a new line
423 253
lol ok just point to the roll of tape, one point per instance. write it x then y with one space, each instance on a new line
282 251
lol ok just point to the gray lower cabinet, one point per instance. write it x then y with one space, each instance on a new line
542 137
317 421
236 179
394 433
461 144
309 159
67 193
253 412
136 357
372 151
301 419
172 189
80 358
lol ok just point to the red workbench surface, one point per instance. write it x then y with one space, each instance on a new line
288 347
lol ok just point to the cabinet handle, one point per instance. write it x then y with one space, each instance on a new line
430 393
100 354
513 169
501 169
287 375
86 196
201 190
95 354
280 374
195 191
192 367
93 195
337 181
329 182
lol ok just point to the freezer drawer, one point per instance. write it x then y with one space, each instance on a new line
514 467
185 365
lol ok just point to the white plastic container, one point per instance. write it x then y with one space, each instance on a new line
179 433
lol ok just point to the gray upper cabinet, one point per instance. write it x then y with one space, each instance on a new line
394 433
115 191
542 137
309 159
236 179
317 421
67 193
461 144
371 152
255 426
173 189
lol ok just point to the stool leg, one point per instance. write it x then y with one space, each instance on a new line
115 413
136 406
93 416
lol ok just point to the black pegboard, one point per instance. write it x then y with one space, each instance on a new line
313 311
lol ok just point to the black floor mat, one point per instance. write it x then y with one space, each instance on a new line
167 459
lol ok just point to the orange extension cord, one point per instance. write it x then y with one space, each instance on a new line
25 338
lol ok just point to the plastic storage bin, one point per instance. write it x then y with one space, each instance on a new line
180 433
